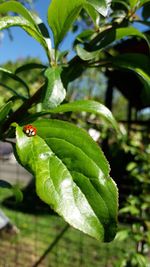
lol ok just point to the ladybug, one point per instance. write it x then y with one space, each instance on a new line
29 130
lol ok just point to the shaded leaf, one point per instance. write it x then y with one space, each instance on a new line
138 63
109 36
142 2
15 77
15 93
55 92
146 12
29 66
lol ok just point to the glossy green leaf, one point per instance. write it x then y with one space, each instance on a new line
10 21
14 6
61 15
88 106
4 110
55 92
71 176
13 188
85 55
101 6
15 77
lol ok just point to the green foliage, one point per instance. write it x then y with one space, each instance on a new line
136 207
80 195
72 174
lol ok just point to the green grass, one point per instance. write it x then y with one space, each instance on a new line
37 232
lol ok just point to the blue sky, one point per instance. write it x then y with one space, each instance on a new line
23 45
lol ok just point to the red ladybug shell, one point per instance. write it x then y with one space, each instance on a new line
29 130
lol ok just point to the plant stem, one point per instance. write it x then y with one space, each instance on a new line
18 114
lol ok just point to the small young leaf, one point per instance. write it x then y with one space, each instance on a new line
61 15
69 176
85 55
55 92
14 188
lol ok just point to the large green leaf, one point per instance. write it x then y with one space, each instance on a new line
88 106
55 92
71 176
61 15
101 6
14 6
10 21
